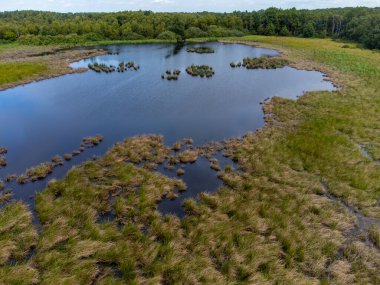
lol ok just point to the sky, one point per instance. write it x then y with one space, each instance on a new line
175 5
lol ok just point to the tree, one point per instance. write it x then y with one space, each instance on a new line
284 31
178 27
167 35
270 30
194 32
309 30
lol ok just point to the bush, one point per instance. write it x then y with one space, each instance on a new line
284 32
309 30
93 37
8 36
194 32
133 36
270 30
167 35
216 31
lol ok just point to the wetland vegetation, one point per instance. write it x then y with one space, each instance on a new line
200 70
261 63
171 75
302 206
122 66
200 50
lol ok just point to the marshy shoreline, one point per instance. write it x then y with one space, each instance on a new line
269 222
56 59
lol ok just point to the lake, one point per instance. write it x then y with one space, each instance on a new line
45 118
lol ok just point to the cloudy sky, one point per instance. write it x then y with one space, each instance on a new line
174 5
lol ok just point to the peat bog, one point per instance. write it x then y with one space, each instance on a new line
50 117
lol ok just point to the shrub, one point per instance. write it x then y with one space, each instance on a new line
194 32
167 35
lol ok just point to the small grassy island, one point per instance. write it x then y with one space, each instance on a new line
122 67
200 70
171 75
261 63
200 50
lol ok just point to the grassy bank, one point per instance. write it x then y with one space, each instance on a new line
23 64
302 209
13 72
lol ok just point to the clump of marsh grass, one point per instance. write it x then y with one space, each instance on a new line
200 70
210 149
40 171
122 67
200 50
3 150
132 65
141 149
22 179
188 156
171 75
177 146
235 64
68 156
92 141
172 195
374 235
215 166
3 161
185 142
10 178
180 172
6 196
169 167
57 160
18 237
1 185
262 63
101 67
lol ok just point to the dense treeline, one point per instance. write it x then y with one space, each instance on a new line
33 27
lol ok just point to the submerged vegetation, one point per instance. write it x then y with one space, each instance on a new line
261 63
200 50
200 70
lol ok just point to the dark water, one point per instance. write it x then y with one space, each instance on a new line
42 119
199 177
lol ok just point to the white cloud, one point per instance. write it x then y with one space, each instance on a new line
163 2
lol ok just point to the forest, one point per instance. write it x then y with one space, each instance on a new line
360 24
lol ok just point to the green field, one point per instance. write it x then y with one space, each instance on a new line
288 217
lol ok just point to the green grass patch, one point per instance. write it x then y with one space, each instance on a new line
14 72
